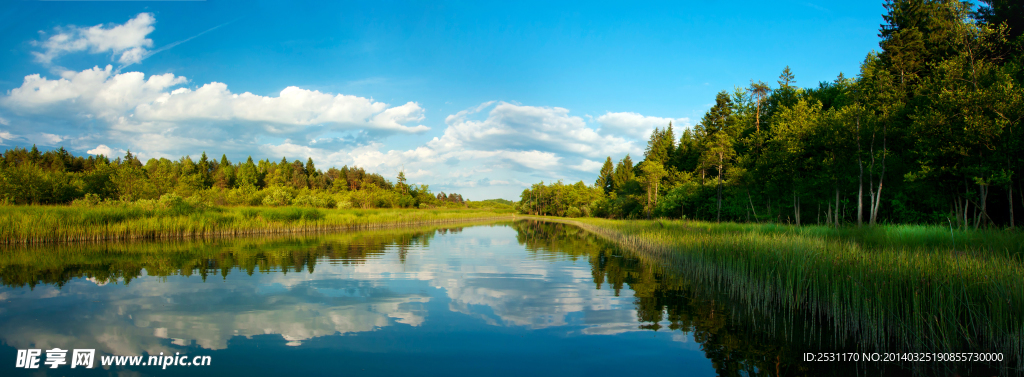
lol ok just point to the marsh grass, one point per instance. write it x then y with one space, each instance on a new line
894 288
123 261
45 224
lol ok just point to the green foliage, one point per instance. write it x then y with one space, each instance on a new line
929 131
559 199
315 200
177 217
888 286
291 214
277 196
57 177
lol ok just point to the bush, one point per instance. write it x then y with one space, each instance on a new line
89 200
573 212
246 195
315 200
277 196
176 205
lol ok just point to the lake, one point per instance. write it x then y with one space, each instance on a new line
515 299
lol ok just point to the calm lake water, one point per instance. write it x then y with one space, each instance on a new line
516 299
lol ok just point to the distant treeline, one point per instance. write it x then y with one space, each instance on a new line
57 177
929 130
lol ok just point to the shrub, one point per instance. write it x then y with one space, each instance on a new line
176 205
89 200
247 195
315 200
277 196
573 212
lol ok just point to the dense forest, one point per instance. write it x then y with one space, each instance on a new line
57 177
929 131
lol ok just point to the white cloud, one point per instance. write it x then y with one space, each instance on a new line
510 144
4 135
527 128
293 108
127 42
49 139
636 126
4 122
95 92
587 165
106 151
129 102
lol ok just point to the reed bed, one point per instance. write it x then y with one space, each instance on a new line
50 224
890 289
123 261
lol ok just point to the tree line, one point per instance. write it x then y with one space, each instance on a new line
929 131
58 177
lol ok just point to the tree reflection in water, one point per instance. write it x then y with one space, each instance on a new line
738 339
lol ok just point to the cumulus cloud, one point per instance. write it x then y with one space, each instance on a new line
292 109
132 103
527 128
635 126
126 42
97 92
495 143
587 165
4 135
106 151
49 139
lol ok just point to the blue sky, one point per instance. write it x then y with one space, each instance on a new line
481 98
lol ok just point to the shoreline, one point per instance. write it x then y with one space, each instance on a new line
895 294
63 225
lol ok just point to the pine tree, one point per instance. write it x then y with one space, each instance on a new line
605 181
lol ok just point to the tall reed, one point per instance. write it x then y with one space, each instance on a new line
123 261
43 224
900 289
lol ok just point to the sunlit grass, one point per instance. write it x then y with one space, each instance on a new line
35 224
901 286
104 262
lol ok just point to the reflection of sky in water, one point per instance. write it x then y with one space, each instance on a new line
446 298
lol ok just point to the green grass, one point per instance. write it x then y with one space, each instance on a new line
901 288
43 224
32 264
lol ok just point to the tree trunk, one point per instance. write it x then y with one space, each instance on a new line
967 221
718 217
1010 190
796 208
983 190
837 207
876 196
752 205
860 183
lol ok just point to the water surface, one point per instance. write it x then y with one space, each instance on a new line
506 299
474 300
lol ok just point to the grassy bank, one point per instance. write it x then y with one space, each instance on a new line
898 288
57 264
43 224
